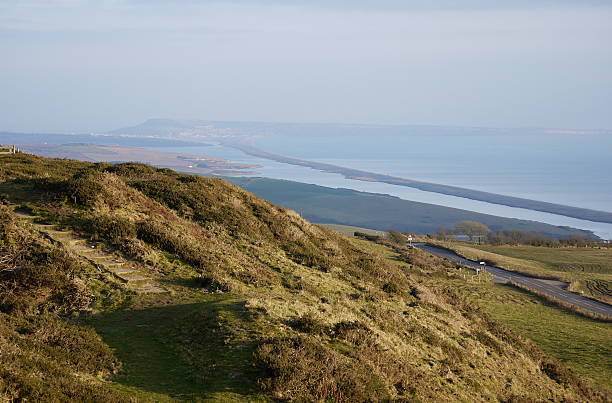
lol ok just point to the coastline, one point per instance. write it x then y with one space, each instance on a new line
356 174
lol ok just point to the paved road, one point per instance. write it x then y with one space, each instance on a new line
553 288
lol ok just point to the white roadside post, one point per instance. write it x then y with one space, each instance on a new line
410 240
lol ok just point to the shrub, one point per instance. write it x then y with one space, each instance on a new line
110 228
390 288
397 237
558 372
211 283
137 250
352 331
84 188
298 368
36 276
308 323
46 359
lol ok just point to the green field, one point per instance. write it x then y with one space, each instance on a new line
168 344
588 270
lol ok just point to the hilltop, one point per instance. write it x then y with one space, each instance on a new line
198 289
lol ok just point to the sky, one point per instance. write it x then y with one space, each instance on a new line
91 66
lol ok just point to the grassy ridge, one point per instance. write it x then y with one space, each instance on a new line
42 356
261 305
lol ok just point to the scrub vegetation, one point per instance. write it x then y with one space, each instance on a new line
260 304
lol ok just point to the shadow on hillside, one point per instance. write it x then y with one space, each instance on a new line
18 192
184 351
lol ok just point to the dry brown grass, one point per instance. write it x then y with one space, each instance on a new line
333 316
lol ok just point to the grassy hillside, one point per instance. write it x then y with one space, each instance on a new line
258 303
381 212
588 270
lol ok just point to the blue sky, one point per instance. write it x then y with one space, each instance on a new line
72 66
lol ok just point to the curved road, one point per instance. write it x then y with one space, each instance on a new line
550 287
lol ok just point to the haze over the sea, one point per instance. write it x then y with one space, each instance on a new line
84 65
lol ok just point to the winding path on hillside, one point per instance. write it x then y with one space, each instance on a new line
123 270
552 288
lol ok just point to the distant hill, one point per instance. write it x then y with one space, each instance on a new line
382 212
131 283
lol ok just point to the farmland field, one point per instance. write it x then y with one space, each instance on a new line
588 270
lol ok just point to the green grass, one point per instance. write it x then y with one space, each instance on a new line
573 260
161 341
350 230
589 270
380 331
581 343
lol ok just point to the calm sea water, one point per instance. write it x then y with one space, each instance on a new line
567 169
278 170
574 170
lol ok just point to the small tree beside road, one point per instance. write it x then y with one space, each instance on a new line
472 229
397 237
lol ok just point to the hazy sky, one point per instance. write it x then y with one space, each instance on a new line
77 65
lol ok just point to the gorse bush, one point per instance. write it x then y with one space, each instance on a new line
308 323
397 237
40 353
84 188
166 239
24 286
302 368
110 228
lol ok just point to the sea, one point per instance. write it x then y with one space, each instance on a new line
570 169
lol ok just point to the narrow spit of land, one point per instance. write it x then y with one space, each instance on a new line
357 174
555 289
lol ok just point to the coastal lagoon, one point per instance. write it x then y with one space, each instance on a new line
570 169
277 170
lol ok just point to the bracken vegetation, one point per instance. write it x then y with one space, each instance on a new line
261 305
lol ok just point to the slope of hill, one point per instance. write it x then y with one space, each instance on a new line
259 304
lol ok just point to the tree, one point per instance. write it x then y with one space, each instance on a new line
397 237
471 229
443 233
